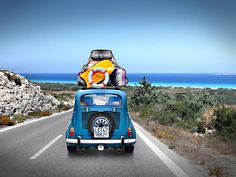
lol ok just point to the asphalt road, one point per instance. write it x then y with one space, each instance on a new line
39 149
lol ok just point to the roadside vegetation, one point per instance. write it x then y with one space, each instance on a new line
225 123
38 114
20 118
57 87
5 120
199 124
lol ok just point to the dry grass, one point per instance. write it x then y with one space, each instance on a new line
207 116
215 171
5 120
61 92
216 157
221 147
164 133
39 114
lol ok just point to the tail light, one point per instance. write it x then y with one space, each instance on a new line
72 132
129 132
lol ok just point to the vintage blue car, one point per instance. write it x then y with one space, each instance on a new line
100 120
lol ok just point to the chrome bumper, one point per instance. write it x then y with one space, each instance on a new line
98 141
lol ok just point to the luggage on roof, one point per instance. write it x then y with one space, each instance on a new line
102 70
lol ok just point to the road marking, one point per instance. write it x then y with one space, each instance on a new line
31 121
165 159
45 147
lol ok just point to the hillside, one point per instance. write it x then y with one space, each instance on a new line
20 96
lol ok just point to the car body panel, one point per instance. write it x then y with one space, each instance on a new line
80 130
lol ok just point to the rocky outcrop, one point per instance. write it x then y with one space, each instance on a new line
20 96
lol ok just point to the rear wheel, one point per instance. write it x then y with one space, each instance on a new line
71 148
129 149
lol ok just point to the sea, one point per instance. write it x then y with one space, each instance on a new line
157 79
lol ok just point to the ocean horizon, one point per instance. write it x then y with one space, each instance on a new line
193 80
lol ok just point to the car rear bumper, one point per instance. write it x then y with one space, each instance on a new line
100 141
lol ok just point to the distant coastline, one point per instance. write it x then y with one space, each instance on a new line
214 81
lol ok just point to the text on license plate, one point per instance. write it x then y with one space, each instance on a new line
101 132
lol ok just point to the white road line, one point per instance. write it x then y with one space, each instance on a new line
45 147
165 159
31 121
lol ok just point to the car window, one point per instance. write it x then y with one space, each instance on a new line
101 99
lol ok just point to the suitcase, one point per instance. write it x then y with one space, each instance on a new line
118 77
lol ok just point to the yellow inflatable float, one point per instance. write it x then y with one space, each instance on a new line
97 73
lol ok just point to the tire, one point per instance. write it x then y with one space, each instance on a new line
129 149
71 148
105 115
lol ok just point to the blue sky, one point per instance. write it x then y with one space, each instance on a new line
148 36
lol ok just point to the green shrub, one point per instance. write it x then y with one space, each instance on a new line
63 96
181 113
215 171
144 94
19 118
170 108
147 112
190 124
226 96
39 114
166 117
57 87
184 110
5 120
225 123
63 107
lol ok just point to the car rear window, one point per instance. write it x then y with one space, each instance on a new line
100 100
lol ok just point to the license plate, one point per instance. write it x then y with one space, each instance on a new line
101 132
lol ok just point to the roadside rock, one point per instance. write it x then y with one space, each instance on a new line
20 96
